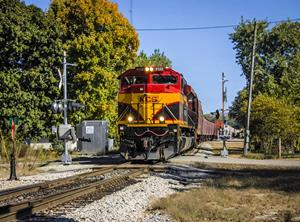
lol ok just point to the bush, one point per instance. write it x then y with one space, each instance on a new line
273 119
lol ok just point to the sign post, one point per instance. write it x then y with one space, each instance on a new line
13 173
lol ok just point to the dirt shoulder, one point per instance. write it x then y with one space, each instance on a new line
231 163
208 156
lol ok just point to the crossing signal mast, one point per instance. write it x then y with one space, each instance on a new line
66 132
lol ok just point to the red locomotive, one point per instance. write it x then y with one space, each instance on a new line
159 114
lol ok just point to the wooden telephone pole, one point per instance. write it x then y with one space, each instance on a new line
247 136
223 95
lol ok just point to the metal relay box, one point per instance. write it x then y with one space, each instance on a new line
92 137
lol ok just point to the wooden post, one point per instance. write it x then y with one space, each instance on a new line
279 148
13 171
247 136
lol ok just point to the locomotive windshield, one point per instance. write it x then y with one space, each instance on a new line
132 80
164 79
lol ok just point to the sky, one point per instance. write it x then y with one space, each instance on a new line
200 55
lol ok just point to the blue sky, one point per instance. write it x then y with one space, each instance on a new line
201 55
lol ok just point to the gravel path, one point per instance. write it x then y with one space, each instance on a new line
198 158
27 180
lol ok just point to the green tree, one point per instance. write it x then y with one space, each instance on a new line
157 58
29 54
271 119
101 41
276 61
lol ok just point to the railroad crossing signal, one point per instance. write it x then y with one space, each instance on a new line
73 106
58 106
217 114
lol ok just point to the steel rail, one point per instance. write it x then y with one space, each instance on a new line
9 193
27 208
18 191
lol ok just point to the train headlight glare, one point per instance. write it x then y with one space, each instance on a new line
161 119
151 69
147 69
130 119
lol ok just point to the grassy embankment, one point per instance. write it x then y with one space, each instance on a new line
255 195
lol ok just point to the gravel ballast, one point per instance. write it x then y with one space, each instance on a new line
27 180
129 204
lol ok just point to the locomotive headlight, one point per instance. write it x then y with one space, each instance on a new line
161 119
151 69
147 69
130 119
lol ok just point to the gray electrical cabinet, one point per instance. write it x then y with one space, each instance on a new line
92 137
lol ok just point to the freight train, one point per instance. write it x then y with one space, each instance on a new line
159 114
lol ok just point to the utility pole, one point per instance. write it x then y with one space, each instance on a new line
224 153
247 136
130 11
223 96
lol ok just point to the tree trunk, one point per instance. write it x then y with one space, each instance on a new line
279 147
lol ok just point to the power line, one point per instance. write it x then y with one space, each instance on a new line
205 27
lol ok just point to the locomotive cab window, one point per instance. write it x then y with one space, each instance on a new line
133 80
164 79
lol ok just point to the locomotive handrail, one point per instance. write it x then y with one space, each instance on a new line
171 112
191 119
123 113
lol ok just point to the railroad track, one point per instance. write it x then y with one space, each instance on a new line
14 192
38 197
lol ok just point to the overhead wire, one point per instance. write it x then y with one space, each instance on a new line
204 27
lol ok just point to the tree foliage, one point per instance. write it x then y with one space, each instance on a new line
100 40
157 58
29 53
276 60
273 118
276 84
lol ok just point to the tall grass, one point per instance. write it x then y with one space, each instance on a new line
27 158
